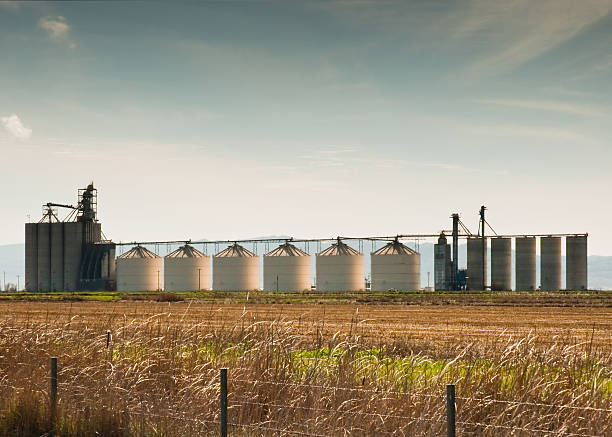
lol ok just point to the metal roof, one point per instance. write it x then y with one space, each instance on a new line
186 251
287 249
395 248
138 252
339 249
235 251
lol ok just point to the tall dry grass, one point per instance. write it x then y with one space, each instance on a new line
159 377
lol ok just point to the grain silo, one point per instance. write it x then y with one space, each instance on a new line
576 262
340 268
550 263
396 266
286 268
235 269
501 263
442 264
139 269
476 257
69 255
525 262
186 269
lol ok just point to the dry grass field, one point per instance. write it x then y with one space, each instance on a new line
350 369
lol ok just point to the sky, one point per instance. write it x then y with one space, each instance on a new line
238 119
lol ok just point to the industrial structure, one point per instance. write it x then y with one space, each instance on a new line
186 269
139 269
69 254
72 254
340 268
235 268
286 268
396 267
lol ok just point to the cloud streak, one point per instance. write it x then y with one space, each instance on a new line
547 105
56 27
13 125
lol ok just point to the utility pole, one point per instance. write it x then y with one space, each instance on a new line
484 246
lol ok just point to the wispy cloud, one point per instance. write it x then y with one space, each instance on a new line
56 27
548 105
522 30
519 130
13 125
12 5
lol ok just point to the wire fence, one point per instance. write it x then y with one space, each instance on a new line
232 408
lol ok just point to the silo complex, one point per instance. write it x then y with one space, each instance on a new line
340 268
576 262
442 264
396 266
501 263
525 263
186 269
476 272
69 255
139 269
550 263
286 268
235 269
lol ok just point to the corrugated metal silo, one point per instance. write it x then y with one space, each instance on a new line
501 263
286 268
475 280
235 269
525 263
550 263
139 269
340 268
44 256
396 266
442 264
576 263
57 256
186 269
31 257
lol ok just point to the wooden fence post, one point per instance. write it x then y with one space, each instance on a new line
53 394
223 403
450 410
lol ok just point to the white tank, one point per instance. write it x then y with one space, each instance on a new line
340 268
235 269
139 269
186 269
396 266
286 268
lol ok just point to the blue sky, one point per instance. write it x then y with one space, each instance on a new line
238 119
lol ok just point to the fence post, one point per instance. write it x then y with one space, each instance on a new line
450 410
53 394
223 403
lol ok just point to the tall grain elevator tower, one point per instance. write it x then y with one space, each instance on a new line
69 254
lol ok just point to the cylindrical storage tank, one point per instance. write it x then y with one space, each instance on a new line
286 268
396 266
475 257
186 269
139 269
44 257
442 264
525 259
501 263
340 268
576 262
235 269
550 263
31 257
57 256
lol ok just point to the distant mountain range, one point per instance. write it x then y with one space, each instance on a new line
12 263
